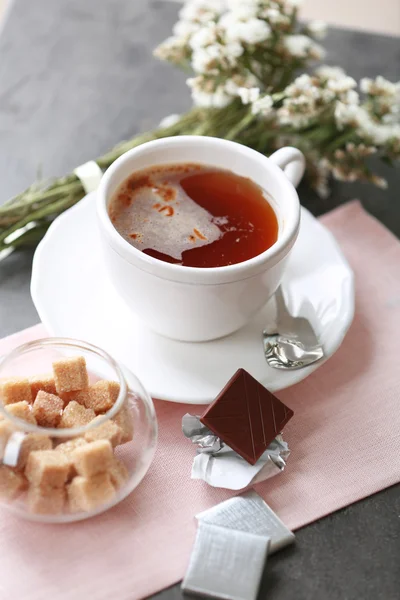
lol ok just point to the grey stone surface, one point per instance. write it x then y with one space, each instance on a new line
76 77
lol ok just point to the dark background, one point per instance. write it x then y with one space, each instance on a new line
77 77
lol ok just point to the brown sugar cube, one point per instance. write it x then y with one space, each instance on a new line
106 431
68 447
76 415
14 390
47 468
46 500
32 443
70 374
12 483
124 419
101 396
88 494
21 410
68 397
78 397
47 409
93 458
44 383
118 473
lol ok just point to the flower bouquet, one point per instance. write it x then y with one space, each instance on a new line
254 80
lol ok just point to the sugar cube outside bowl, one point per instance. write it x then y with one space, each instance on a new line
78 431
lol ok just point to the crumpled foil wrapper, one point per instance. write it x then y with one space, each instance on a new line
220 466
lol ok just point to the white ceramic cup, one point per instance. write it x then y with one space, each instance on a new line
198 304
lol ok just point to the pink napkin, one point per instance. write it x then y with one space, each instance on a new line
345 441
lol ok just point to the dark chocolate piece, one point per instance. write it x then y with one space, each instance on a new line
246 416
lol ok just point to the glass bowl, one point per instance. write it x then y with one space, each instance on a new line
76 437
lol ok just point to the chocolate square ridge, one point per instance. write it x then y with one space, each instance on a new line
246 416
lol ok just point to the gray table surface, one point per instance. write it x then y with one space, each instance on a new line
76 77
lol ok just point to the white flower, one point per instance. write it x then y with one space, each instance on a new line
169 121
322 188
349 114
185 29
392 116
205 36
302 46
204 94
351 97
380 134
319 170
238 4
172 49
303 83
231 87
380 87
275 17
316 51
201 11
263 106
342 85
359 150
356 116
204 60
366 85
243 9
304 100
233 84
252 31
294 3
317 29
299 113
216 57
218 99
384 99
227 20
248 95
327 72
341 174
379 181
194 82
310 87
234 49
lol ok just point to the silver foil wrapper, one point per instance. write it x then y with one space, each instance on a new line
220 466
251 514
239 531
216 563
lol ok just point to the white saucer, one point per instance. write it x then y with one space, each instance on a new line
75 298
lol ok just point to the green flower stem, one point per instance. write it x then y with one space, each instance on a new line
32 200
340 140
30 237
243 123
48 210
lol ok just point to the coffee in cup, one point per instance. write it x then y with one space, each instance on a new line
194 215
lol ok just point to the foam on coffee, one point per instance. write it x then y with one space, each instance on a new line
164 218
194 215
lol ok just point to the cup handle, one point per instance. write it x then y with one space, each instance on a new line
292 163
